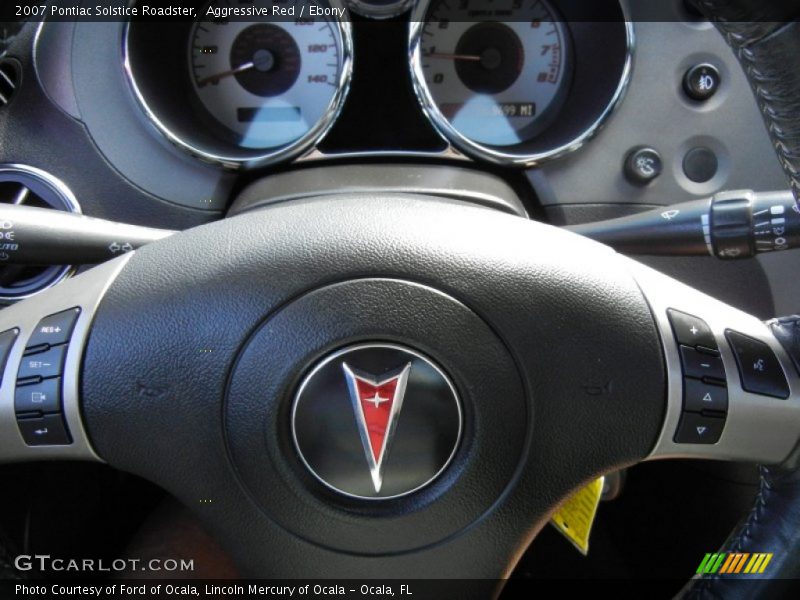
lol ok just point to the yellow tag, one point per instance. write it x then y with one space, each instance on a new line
574 518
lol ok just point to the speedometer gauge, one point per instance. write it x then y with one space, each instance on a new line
494 82
264 79
270 82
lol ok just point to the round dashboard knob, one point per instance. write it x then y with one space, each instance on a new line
643 165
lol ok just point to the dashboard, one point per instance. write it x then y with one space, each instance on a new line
511 83
164 123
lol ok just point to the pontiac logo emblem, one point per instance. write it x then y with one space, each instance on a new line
377 405
376 421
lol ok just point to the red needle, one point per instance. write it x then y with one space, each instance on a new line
215 78
453 56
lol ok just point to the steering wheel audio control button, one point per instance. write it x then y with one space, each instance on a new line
55 329
7 339
701 397
701 82
699 429
49 430
701 365
690 330
49 363
759 368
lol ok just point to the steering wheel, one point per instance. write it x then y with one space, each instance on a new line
404 386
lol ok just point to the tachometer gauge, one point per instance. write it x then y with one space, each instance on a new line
517 82
260 89
494 82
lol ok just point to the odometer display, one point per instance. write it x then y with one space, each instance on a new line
268 83
496 82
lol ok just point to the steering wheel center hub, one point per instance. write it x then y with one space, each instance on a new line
352 411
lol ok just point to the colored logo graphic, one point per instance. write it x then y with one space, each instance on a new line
377 405
732 563
348 427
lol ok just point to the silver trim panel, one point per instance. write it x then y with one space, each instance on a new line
85 291
758 428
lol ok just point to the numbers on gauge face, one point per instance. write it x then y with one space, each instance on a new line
267 82
497 80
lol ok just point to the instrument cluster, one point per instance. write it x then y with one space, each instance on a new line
512 82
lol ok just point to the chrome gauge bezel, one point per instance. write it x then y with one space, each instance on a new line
69 203
228 157
387 11
495 154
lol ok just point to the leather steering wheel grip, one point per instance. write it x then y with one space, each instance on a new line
765 36
773 523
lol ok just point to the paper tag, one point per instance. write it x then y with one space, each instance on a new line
574 518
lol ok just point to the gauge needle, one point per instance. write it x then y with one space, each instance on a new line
453 56
215 78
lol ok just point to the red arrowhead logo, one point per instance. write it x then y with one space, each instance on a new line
376 403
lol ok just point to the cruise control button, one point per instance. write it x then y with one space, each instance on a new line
699 429
49 430
44 396
7 339
690 330
44 364
55 329
701 364
699 396
759 369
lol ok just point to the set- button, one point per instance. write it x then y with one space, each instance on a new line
38 399
705 395
42 365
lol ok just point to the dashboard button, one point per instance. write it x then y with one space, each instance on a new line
699 396
7 339
699 429
44 397
49 430
759 369
701 82
55 329
44 364
690 330
643 165
700 164
701 364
